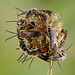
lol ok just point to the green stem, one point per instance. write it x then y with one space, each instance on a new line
49 71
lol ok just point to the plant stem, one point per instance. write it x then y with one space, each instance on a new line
49 70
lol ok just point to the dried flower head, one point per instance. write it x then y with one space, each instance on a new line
40 34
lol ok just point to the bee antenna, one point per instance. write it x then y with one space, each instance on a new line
19 9
10 37
10 32
31 62
68 47
58 63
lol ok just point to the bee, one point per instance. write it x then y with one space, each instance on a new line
40 34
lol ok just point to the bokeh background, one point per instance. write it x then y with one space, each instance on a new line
8 53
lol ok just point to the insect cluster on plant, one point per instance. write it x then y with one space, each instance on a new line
40 34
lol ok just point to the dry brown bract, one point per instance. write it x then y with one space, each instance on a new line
40 34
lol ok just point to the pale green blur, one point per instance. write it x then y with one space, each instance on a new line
8 53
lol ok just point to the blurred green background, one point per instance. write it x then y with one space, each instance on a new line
8 53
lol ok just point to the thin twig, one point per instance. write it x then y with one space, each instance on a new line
49 72
51 67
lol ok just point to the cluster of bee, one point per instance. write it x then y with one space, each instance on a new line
40 34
